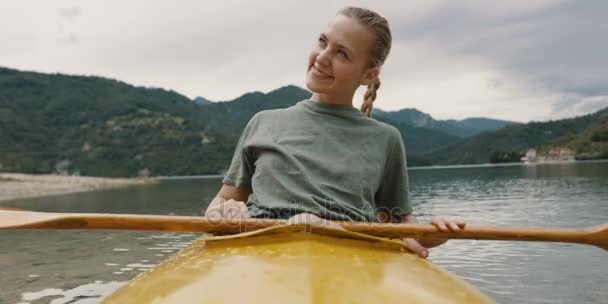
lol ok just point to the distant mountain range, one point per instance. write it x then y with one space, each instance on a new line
461 128
103 127
414 118
585 134
201 101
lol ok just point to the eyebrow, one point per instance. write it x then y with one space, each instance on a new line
339 45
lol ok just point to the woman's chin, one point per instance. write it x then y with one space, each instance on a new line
316 87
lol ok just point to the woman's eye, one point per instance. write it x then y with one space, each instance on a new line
343 54
321 42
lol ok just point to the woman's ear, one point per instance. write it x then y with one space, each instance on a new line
370 75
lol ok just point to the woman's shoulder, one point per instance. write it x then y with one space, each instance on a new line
385 128
268 120
273 114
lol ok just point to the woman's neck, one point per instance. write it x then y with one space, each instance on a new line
332 99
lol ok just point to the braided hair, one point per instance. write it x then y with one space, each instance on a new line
379 50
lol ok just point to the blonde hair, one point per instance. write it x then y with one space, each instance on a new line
379 50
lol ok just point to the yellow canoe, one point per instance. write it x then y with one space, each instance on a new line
292 264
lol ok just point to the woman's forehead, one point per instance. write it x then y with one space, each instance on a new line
349 33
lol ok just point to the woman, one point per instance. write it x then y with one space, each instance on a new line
322 159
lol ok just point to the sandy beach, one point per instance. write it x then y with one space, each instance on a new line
18 185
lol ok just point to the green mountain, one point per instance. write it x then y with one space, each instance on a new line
235 114
480 123
420 140
591 143
201 100
460 128
516 138
103 127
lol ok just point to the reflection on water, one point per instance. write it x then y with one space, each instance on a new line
81 266
570 195
87 293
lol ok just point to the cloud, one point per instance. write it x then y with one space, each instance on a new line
572 104
67 15
517 60
556 46
69 38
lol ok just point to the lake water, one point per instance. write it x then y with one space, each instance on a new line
82 266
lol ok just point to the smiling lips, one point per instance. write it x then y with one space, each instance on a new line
320 74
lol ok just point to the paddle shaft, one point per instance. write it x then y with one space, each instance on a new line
580 236
13 219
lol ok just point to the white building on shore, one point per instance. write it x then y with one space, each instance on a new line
554 155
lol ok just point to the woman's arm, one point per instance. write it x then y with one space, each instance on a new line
229 202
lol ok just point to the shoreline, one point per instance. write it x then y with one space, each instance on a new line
15 186
514 164
415 168
20 186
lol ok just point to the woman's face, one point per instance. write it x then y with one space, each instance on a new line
339 63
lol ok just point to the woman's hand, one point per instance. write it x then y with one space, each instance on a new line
311 219
227 209
443 224
447 224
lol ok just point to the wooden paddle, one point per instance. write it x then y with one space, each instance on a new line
22 219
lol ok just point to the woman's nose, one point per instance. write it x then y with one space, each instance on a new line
324 57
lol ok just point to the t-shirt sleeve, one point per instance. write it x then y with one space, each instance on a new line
242 165
393 193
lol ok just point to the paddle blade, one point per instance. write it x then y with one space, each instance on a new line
12 218
599 236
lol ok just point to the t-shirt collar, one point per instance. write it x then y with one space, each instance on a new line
330 108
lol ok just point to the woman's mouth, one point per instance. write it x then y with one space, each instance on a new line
320 74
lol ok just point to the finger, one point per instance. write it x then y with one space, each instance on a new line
213 213
296 219
306 218
336 226
415 247
439 223
231 210
222 208
244 211
234 209
454 226
312 219
461 224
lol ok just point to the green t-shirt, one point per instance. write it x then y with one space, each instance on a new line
326 159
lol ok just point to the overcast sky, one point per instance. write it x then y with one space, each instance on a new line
518 60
